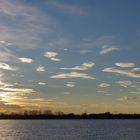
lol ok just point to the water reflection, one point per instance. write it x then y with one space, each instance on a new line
69 129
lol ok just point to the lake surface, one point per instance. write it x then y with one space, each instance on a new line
69 129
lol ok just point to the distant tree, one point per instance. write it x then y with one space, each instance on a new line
59 113
47 112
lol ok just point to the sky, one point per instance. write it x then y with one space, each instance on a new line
71 56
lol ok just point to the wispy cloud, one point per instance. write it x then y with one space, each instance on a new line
40 69
124 83
67 8
125 98
70 84
4 85
25 60
41 83
26 24
136 70
1 74
84 51
7 67
84 66
12 90
72 75
6 54
66 93
125 65
104 85
52 56
129 73
107 49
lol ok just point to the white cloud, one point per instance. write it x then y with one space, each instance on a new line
52 56
40 69
70 84
104 85
72 75
84 66
125 65
41 83
107 49
7 67
25 60
55 59
124 83
129 73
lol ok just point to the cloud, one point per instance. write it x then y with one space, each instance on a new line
125 98
40 69
25 60
4 106
107 49
124 83
1 74
136 70
104 85
84 66
70 84
6 54
125 65
5 43
4 85
52 56
84 51
7 67
8 92
65 8
16 90
72 75
41 83
28 25
129 73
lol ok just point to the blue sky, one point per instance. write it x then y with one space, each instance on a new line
71 56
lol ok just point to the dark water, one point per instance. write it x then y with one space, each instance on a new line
69 129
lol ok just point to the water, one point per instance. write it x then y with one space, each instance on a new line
69 129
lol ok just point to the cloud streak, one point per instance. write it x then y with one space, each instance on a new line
124 65
26 24
84 66
124 83
67 8
5 66
107 49
104 85
72 75
129 73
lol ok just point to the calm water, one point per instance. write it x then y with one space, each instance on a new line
69 129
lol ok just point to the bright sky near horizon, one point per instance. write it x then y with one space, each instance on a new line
71 56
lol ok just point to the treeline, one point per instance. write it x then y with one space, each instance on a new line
48 114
